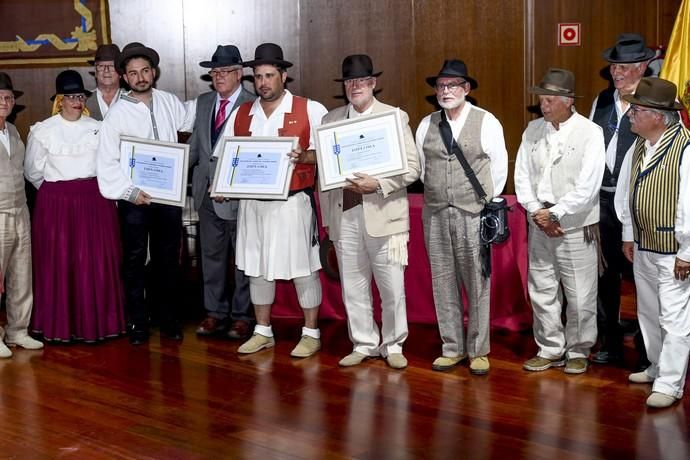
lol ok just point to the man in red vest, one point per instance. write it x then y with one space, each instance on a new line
277 239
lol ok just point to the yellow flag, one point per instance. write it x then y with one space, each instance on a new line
676 66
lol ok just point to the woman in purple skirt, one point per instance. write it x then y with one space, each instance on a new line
75 235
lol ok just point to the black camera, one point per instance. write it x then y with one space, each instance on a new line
494 222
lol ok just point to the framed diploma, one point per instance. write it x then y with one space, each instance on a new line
156 167
254 167
371 144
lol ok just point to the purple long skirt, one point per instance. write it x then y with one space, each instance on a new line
78 292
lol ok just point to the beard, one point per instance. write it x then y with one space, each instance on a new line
142 87
450 105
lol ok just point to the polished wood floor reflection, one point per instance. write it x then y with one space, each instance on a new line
199 399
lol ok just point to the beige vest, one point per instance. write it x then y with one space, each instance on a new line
565 170
12 194
445 182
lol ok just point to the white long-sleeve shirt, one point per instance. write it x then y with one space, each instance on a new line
535 160
622 197
130 117
60 150
491 138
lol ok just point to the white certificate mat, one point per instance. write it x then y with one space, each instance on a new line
156 167
254 167
371 144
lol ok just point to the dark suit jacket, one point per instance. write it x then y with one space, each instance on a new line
201 150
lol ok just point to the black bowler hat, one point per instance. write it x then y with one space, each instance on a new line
268 53
6 84
655 93
69 82
629 48
453 68
110 52
358 66
225 56
136 49
556 82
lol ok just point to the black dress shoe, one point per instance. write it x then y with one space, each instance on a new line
138 335
607 357
642 364
172 332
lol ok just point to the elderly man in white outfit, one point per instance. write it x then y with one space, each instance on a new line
277 239
368 222
558 173
653 203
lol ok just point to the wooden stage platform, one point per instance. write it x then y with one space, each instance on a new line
200 400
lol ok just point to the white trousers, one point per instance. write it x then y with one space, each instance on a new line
570 262
663 309
359 257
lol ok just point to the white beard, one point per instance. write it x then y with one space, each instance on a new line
452 105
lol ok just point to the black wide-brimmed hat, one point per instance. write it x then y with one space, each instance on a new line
453 68
629 48
69 82
6 84
225 56
110 52
655 93
268 53
136 49
556 82
358 66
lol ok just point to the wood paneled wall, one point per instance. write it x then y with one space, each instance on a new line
506 44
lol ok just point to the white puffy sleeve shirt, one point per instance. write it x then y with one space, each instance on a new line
61 150
130 117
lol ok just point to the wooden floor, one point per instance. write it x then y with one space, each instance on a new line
199 399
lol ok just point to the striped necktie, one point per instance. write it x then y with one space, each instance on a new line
220 116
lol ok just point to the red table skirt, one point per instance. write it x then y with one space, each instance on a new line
509 306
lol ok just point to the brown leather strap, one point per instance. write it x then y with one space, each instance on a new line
351 199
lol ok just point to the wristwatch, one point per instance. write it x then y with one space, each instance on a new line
379 190
553 217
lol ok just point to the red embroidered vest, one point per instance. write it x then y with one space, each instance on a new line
295 124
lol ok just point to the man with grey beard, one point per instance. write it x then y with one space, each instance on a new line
452 209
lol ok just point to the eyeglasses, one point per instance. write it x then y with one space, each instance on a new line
75 97
452 86
7 99
105 67
358 81
635 109
221 73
